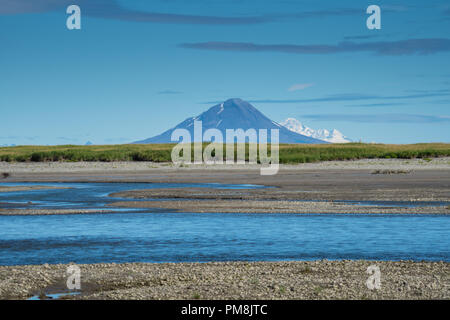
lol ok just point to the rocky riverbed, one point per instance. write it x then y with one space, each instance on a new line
250 206
233 280
27 188
284 200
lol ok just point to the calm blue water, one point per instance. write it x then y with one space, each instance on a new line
176 237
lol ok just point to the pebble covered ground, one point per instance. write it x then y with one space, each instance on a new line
280 200
27 188
249 206
67 167
322 279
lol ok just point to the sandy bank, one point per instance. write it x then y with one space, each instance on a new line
282 200
236 206
27 188
89 167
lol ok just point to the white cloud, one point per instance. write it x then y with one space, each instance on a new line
300 86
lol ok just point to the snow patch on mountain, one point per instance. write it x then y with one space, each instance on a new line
333 136
221 108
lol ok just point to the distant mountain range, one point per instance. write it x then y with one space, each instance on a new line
332 136
234 114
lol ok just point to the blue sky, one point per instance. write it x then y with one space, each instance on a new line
137 68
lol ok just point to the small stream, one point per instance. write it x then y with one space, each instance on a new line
87 195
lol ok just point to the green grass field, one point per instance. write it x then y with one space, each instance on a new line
289 153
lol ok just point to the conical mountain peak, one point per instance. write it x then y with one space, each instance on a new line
234 114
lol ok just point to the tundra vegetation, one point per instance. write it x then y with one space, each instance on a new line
289 153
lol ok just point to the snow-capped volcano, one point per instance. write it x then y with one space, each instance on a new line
234 114
333 136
